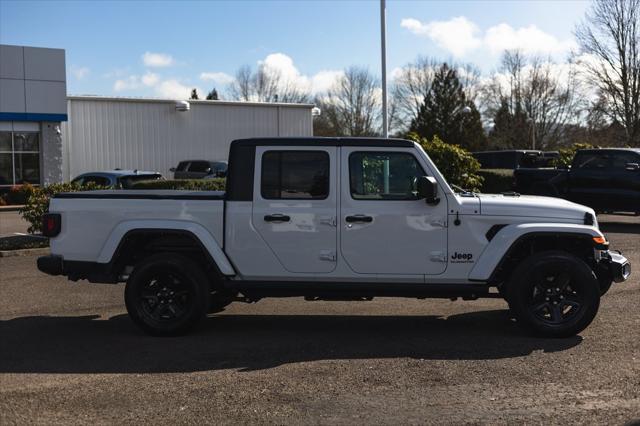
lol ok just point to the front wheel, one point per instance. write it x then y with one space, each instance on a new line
166 294
554 294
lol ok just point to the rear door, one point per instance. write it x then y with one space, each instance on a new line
385 228
625 183
294 207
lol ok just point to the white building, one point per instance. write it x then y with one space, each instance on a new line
39 146
151 134
32 105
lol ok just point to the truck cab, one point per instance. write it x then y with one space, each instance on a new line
333 219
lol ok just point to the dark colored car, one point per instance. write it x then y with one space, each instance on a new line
607 180
119 179
199 169
515 158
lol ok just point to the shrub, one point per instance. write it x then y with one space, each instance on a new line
18 194
567 154
457 165
496 181
37 204
217 184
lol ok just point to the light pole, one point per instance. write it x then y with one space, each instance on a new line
383 46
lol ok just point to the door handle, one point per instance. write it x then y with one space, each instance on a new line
277 218
359 218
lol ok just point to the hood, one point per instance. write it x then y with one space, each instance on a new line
532 206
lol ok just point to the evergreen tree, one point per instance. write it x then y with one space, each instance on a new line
194 94
213 95
510 130
446 113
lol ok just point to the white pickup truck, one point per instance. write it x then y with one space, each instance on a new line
333 219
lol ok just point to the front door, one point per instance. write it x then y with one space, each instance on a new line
386 229
294 207
590 180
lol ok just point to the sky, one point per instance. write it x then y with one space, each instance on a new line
165 48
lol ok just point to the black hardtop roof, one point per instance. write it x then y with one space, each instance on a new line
323 141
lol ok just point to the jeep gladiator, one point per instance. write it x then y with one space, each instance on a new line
333 219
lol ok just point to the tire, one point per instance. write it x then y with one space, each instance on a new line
554 294
166 294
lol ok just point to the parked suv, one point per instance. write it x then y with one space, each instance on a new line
199 169
117 179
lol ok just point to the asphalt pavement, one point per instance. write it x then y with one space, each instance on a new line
70 355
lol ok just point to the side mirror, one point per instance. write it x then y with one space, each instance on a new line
173 169
209 171
427 188
632 167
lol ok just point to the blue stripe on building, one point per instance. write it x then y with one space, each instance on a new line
26 116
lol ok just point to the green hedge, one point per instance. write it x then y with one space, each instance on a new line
457 164
217 184
37 204
496 181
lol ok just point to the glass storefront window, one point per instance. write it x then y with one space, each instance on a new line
19 158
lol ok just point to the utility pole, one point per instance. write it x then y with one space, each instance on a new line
383 39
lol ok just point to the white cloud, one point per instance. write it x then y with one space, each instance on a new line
173 89
79 72
150 79
530 40
217 77
457 35
157 60
132 82
323 80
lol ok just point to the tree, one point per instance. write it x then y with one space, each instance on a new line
447 113
213 95
413 82
535 98
510 129
609 40
266 84
351 107
194 94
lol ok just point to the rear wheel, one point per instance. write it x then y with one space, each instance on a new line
166 294
554 294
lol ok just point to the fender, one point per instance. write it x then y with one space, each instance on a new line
509 235
200 232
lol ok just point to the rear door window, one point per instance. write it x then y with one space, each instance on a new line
295 175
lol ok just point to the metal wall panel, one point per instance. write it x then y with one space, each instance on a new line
104 133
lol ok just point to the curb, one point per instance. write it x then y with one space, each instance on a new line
10 208
24 252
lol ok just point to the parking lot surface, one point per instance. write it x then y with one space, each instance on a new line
69 354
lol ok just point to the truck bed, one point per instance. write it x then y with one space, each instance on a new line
94 221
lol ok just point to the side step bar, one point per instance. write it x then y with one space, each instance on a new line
357 290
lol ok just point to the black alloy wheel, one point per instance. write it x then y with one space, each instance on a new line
553 294
167 294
